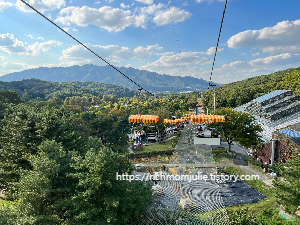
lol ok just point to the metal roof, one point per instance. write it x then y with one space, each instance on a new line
269 95
289 133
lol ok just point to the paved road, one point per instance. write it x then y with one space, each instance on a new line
235 147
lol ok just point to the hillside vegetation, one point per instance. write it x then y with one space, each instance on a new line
40 90
241 92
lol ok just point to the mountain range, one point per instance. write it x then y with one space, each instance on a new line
150 81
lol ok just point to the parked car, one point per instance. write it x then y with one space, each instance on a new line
151 137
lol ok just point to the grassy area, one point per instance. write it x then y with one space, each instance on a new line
256 184
259 169
156 147
219 157
255 208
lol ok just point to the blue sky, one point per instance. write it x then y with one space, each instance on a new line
258 36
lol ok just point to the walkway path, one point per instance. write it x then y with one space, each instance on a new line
130 149
235 147
247 169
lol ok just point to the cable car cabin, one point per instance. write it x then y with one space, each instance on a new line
205 135
143 119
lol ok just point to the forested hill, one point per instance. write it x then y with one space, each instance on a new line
240 92
105 74
40 90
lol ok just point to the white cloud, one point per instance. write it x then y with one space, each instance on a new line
128 65
97 2
186 3
163 17
40 5
2 58
29 35
267 62
236 64
141 52
4 5
10 44
77 53
117 19
35 48
124 6
165 53
292 48
175 64
106 17
282 59
38 38
149 2
256 54
66 29
109 1
282 37
212 50
112 53
158 47
151 9
8 67
243 53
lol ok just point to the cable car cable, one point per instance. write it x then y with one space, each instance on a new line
176 36
82 44
217 44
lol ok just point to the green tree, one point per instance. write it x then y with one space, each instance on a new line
241 217
290 82
23 129
8 97
238 126
65 187
67 101
101 198
45 190
287 191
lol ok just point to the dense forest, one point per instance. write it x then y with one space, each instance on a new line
40 90
58 164
151 81
241 92
58 161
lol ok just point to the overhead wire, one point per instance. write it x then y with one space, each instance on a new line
175 33
217 44
140 87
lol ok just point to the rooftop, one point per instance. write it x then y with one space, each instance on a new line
269 95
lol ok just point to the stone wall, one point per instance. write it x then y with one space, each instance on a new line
285 149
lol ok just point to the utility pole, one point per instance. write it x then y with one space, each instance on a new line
213 85
140 89
214 101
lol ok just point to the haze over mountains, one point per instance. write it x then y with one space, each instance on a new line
151 81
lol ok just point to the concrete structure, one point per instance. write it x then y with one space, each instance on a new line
207 141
